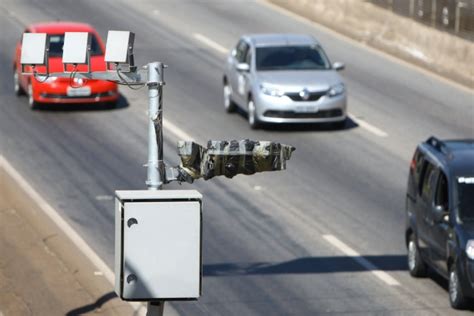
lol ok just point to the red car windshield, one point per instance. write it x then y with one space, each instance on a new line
56 43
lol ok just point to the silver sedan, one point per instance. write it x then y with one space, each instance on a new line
284 78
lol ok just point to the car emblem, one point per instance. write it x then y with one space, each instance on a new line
304 94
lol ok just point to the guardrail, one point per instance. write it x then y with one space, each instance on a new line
452 16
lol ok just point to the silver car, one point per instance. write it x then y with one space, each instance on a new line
284 78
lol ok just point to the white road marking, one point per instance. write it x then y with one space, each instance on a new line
104 198
365 46
80 243
257 188
221 49
348 251
369 127
178 132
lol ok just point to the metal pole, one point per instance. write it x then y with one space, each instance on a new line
433 12
459 6
155 308
156 166
155 171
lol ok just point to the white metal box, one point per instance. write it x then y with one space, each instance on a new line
75 49
158 245
33 49
118 47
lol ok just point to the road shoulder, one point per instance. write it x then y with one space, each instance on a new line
41 271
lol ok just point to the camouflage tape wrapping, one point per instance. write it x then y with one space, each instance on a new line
229 158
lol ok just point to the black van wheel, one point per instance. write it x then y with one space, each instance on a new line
416 265
456 296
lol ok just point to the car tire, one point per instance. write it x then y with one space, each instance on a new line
229 105
456 295
252 115
31 101
16 84
416 266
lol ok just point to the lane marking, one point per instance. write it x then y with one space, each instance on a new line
369 127
178 132
66 229
348 251
221 49
346 38
104 197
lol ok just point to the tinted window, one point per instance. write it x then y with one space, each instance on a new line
56 43
241 51
248 57
441 196
418 160
291 58
428 181
465 196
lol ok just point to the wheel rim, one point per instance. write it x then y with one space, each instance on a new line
226 96
453 286
30 95
16 83
251 108
411 255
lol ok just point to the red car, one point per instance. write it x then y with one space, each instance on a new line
62 90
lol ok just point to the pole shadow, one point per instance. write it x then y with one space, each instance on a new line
302 127
309 265
91 307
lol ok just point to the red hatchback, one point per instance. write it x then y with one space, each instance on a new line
62 90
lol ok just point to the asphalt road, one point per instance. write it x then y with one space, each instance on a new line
323 237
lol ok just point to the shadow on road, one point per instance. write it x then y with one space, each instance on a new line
91 307
302 127
121 103
307 265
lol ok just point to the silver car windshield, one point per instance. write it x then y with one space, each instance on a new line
291 58
465 195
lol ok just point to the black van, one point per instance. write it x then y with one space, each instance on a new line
440 215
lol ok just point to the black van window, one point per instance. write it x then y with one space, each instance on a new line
428 181
465 198
418 160
441 196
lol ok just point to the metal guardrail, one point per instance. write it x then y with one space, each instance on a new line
452 16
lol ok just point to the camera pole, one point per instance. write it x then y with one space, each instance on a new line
155 165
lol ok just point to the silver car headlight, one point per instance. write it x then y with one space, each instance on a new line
470 249
336 89
272 91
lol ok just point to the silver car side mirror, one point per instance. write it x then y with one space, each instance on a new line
338 66
243 67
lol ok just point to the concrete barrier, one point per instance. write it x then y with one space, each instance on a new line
437 51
